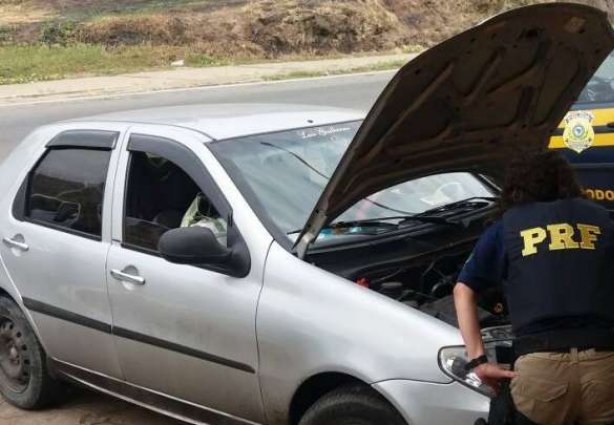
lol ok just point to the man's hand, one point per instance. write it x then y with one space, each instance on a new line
491 374
465 301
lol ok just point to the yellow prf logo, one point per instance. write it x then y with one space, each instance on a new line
561 236
579 134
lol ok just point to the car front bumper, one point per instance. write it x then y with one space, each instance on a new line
423 403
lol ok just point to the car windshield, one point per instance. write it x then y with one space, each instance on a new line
600 89
283 175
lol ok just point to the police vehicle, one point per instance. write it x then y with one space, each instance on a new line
586 136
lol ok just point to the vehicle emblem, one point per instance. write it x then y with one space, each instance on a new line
579 134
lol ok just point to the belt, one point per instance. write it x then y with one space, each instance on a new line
565 341
569 350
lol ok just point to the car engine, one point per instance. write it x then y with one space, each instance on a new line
427 286
421 272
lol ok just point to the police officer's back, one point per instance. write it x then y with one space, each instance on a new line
553 252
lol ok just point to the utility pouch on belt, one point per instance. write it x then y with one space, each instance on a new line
502 410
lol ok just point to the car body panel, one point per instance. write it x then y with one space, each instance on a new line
434 404
227 121
12 168
604 133
149 399
332 325
195 327
470 102
593 157
50 285
595 165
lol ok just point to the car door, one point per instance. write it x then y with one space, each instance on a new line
181 330
55 245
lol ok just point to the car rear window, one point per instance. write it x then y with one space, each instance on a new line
66 190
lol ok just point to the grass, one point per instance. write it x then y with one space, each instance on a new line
380 66
24 64
21 64
202 60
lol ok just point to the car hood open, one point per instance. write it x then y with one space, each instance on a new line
470 102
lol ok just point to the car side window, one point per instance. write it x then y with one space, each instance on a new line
66 190
160 196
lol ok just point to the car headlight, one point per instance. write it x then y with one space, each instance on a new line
452 361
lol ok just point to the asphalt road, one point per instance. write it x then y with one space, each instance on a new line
358 92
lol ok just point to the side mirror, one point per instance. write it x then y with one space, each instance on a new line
193 245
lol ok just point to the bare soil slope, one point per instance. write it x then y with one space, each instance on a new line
257 27
51 39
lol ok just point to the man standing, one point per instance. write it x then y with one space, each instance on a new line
553 253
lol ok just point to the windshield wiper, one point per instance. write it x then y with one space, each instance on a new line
433 215
372 222
430 216
474 200
383 223
427 218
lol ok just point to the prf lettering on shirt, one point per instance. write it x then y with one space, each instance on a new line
559 236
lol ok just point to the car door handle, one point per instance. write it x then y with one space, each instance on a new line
125 277
16 244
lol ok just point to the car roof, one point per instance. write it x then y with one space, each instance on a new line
225 121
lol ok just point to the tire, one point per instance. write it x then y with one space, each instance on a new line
24 380
355 405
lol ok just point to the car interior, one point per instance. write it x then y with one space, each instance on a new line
59 197
159 196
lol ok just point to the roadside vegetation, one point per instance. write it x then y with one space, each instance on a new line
51 39
26 63
381 66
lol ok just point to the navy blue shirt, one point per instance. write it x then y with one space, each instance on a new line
487 265
487 268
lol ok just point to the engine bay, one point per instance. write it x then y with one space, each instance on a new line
427 285
420 268
419 271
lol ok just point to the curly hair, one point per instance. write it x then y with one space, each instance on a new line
538 177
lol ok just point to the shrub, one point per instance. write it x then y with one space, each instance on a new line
58 32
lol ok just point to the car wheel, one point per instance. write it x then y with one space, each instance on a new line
354 405
24 381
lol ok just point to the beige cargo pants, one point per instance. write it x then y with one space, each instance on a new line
566 388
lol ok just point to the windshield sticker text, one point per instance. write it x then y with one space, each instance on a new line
310 133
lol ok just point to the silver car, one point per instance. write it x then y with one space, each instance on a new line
278 264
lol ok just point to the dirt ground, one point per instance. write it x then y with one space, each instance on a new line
85 408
